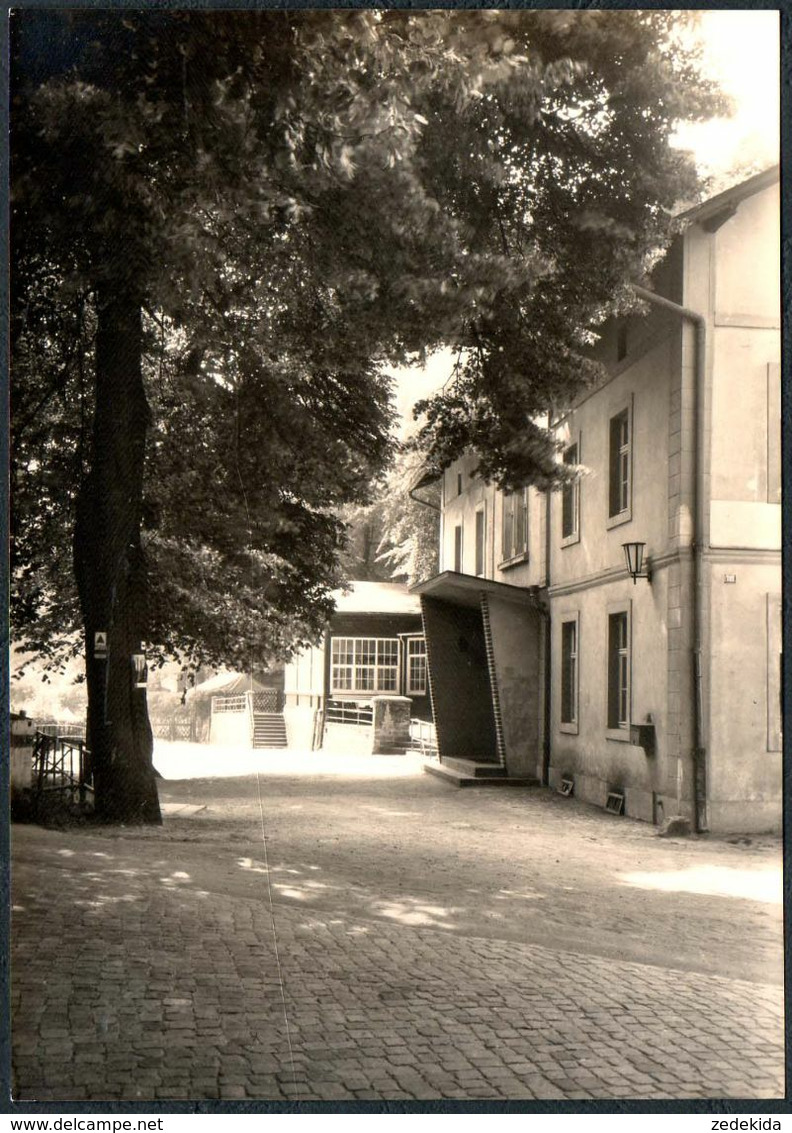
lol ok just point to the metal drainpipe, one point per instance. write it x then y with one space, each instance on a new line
545 777
424 503
700 751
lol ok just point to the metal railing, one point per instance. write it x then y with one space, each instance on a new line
62 728
60 764
349 712
423 737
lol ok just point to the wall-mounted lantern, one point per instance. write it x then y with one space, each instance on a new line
637 566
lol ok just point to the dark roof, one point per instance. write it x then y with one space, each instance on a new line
466 589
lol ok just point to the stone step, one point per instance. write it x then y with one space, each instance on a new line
461 779
476 768
269 730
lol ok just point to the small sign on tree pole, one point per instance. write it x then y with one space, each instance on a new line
100 645
141 669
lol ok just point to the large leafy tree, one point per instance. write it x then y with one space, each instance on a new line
223 224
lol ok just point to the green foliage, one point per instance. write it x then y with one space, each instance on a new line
395 536
570 177
294 197
410 543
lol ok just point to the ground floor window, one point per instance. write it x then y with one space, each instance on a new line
569 671
416 666
365 664
618 670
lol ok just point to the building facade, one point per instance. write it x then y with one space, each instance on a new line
656 695
374 648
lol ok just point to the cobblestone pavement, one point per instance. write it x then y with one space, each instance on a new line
200 962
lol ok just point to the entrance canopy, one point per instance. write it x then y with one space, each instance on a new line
484 653
467 589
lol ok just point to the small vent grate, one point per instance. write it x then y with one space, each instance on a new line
615 803
567 787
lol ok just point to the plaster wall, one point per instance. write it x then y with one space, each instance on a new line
744 715
459 509
516 639
742 578
300 724
603 759
231 729
745 415
748 251
348 739
304 678
645 386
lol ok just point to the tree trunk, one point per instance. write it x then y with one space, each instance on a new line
111 571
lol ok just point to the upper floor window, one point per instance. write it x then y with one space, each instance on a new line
619 670
621 342
416 666
458 548
481 532
365 664
620 466
570 499
515 525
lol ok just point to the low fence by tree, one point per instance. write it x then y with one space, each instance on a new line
175 728
62 728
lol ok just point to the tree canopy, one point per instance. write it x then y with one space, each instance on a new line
224 224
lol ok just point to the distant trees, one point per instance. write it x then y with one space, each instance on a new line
223 224
395 537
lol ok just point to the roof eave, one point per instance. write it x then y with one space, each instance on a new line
729 199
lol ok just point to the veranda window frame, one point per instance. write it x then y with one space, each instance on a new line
413 653
357 661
